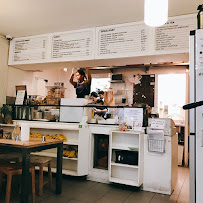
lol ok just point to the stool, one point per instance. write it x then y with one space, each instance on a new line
15 169
42 162
11 157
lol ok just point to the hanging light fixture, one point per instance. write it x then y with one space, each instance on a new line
156 12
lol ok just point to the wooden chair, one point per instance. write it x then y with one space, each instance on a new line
15 169
42 162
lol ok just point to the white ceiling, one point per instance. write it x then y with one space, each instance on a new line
31 17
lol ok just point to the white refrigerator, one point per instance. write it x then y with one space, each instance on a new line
196 116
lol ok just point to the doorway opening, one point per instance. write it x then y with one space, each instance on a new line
101 150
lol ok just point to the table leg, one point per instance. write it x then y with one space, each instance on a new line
25 175
59 168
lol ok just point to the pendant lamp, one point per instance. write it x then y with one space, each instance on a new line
156 12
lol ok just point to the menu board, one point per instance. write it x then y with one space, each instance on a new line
115 41
77 45
122 40
20 97
30 49
174 35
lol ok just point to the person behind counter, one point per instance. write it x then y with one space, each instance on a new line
95 98
101 111
83 84
101 96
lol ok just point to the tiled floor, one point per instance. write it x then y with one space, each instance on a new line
77 190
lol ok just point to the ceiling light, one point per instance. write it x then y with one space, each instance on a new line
65 69
156 12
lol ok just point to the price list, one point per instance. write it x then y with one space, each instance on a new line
72 46
174 35
122 41
30 49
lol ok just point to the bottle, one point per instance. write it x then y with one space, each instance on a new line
200 17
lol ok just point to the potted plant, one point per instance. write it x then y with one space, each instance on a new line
1 116
6 114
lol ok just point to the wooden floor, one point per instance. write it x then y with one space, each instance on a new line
77 190
181 192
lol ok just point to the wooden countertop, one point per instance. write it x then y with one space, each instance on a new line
33 142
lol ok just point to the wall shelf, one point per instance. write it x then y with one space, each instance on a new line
126 173
123 147
53 155
125 182
77 137
123 165
71 143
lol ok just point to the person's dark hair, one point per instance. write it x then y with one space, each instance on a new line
101 92
82 73
94 94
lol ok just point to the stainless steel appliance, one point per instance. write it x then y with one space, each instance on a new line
196 116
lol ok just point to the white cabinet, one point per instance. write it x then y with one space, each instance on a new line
76 137
161 169
129 143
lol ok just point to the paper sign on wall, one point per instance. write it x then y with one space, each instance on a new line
20 97
137 126
158 124
132 115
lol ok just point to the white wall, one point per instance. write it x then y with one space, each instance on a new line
70 90
129 72
3 69
17 77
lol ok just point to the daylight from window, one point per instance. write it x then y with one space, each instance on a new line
100 84
171 96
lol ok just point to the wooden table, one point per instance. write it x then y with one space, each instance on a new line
25 148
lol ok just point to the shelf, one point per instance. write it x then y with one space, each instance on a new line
71 143
7 125
69 172
49 125
124 165
56 87
127 132
64 171
74 159
53 155
124 181
117 81
130 148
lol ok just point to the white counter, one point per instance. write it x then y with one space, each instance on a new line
160 170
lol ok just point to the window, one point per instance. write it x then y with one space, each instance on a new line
171 96
100 84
